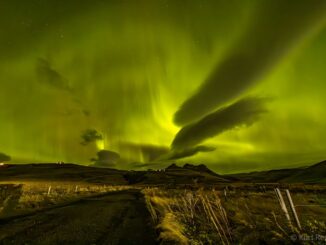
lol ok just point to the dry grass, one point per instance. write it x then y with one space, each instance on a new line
28 196
171 229
232 217
186 217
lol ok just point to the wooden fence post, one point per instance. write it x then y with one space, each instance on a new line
49 190
293 208
282 204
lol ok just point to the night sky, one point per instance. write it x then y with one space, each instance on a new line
238 85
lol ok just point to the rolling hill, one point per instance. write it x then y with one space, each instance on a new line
311 174
173 174
189 174
61 172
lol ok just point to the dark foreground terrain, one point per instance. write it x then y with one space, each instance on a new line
112 218
190 204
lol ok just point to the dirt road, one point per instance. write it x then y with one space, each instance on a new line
115 218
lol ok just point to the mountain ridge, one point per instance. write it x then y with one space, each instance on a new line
173 174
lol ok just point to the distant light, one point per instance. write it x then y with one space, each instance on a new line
2 164
100 144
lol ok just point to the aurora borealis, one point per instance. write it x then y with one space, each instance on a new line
138 72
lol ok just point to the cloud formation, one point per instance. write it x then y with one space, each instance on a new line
275 29
4 157
187 152
46 74
90 135
150 152
106 158
128 81
243 112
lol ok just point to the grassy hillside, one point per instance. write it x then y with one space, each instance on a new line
61 172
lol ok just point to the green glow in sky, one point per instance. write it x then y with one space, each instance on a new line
124 68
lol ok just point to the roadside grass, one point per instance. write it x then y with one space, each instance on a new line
234 214
209 216
16 198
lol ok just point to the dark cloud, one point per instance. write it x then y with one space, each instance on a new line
275 28
82 108
188 152
4 157
46 74
90 135
86 112
106 158
243 112
149 152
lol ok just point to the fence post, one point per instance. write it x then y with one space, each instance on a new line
282 204
294 212
49 190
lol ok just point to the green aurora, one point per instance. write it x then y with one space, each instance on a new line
138 71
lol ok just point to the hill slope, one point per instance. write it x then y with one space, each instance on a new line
173 174
61 172
189 174
312 174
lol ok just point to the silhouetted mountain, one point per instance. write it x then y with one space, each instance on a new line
61 172
72 172
200 168
312 174
173 166
188 174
